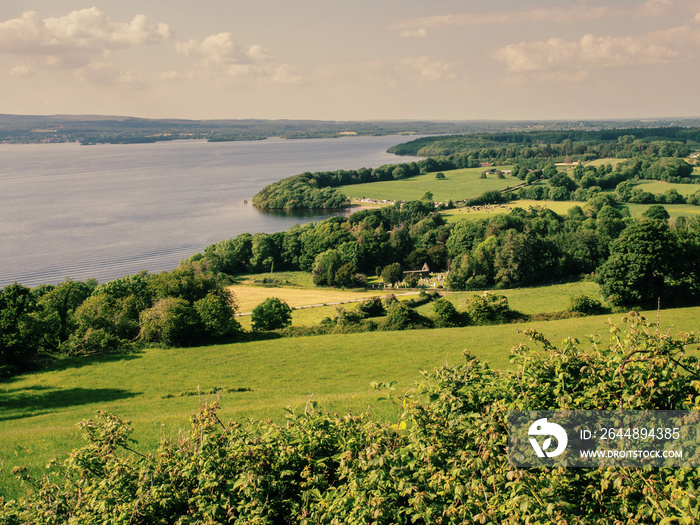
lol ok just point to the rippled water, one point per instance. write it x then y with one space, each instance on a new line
110 210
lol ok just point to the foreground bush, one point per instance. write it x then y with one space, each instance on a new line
444 462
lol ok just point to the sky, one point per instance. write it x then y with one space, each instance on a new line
352 59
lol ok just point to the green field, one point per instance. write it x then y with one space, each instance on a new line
532 300
658 187
561 207
458 185
458 214
39 412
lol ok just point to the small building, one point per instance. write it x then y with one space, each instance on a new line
423 273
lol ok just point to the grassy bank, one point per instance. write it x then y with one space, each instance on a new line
157 389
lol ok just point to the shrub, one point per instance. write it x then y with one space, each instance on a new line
371 307
271 314
488 308
344 317
217 312
392 273
401 317
586 305
446 313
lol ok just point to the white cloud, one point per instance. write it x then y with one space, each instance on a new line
593 52
21 71
221 55
427 69
420 32
75 40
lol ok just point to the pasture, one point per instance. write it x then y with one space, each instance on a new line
156 389
658 187
457 185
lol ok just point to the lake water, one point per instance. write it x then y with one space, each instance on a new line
106 211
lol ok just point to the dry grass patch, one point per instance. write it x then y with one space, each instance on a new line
251 296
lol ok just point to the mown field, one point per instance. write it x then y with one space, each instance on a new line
458 185
156 389
312 304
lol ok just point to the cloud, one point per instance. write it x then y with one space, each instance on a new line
21 71
420 32
427 69
552 14
75 40
220 54
593 52
555 14
102 73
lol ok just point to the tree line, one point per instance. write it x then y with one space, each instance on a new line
579 145
177 308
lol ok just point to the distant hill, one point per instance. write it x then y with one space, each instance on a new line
92 129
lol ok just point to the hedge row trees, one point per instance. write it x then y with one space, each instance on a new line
516 249
180 307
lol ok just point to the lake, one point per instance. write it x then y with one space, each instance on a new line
106 211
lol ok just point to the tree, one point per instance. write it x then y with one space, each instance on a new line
656 213
325 267
58 306
440 176
217 312
262 253
171 321
19 338
642 260
392 273
271 314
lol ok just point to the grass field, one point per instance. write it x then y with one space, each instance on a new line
251 296
39 412
533 300
561 207
310 303
458 185
658 187
458 214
